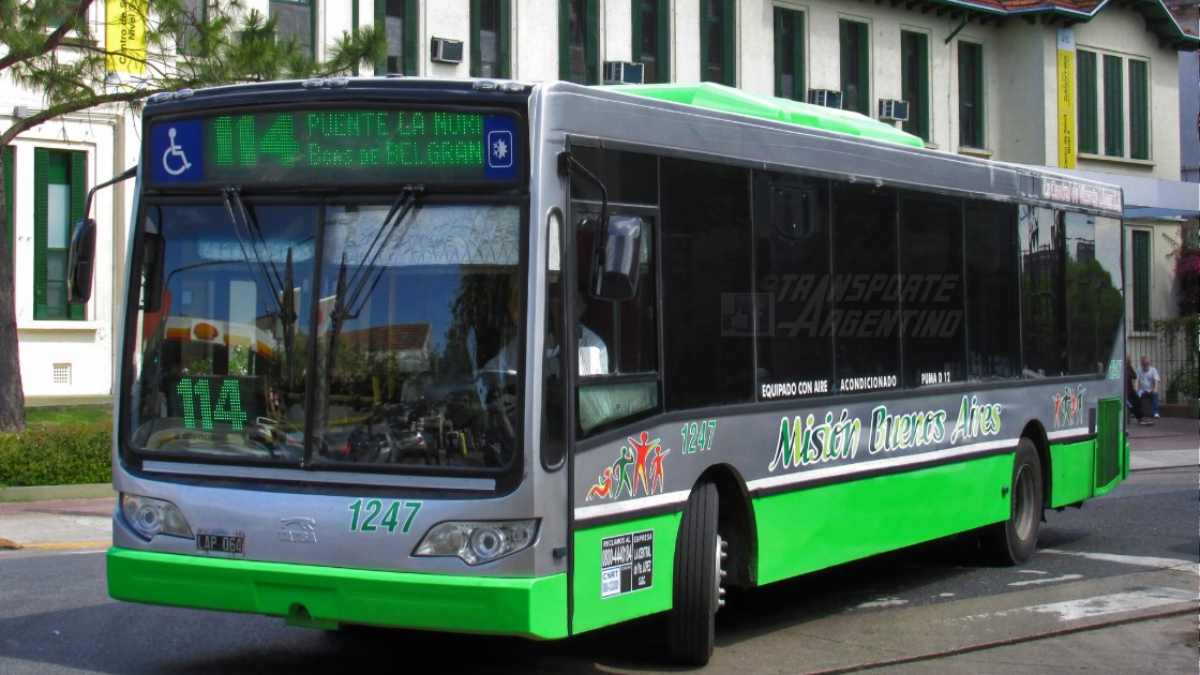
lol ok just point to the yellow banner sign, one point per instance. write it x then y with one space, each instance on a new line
125 36
1067 140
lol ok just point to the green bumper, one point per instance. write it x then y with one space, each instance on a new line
323 597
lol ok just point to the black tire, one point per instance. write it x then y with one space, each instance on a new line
1012 542
691 623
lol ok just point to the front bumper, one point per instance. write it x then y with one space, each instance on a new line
324 597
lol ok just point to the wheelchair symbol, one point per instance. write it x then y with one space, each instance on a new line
175 151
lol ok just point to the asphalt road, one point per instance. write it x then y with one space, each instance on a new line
1112 589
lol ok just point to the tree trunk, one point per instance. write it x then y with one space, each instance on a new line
12 394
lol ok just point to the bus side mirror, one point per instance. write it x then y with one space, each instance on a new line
81 259
618 258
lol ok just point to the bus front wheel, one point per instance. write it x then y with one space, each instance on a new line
1012 542
691 623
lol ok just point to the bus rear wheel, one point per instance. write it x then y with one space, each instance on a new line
1012 542
691 623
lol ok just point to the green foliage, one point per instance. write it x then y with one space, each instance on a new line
56 455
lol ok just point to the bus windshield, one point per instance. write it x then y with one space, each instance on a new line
328 333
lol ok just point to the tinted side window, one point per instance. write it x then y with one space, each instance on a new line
1043 295
708 308
865 293
1094 304
629 177
933 319
791 253
994 313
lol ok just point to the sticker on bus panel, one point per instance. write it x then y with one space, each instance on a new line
220 542
176 152
626 563
501 135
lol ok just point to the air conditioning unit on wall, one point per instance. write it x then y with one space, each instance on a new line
624 72
893 110
445 50
830 98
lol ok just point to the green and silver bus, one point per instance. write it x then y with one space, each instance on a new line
535 359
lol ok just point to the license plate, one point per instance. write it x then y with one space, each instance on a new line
221 542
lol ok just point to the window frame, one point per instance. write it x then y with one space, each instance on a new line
76 177
409 56
591 41
728 29
503 39
798 62
856 72
1113 105
662 60
313 11
918 104
973 135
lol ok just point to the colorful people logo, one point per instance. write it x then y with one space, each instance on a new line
644 459
1069 406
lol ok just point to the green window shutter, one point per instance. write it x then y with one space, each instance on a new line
10 169
564 40
1085 65
1139 110
1141 281
476 33
410 37
1114 107
781 40
505 38
41 179
729 55
79 191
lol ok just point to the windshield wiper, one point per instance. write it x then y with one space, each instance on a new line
275 285
349 297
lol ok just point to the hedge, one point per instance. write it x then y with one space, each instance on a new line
64 454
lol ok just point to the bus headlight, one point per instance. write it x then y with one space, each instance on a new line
152 517
478 542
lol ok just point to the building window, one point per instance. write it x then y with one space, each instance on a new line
1105 102
294 21
789 54
398 21
914 81
579 39
1141 280
195 15
491 32
970 95
718 42
60 188
652 38
856 66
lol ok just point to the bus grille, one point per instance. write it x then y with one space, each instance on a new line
1108 441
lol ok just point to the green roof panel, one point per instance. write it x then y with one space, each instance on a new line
713 96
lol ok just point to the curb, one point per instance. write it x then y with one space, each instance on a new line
55 492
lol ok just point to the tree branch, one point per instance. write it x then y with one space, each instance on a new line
25 124
53 40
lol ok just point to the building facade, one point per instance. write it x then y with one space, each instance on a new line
985 78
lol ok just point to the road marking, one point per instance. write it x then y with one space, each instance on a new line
1112 604
1139 560
1101 605
1047 580
69 544
882 602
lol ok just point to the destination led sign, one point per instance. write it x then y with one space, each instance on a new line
335 146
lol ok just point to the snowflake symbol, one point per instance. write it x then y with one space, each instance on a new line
500 149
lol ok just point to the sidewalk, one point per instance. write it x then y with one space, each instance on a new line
71 516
